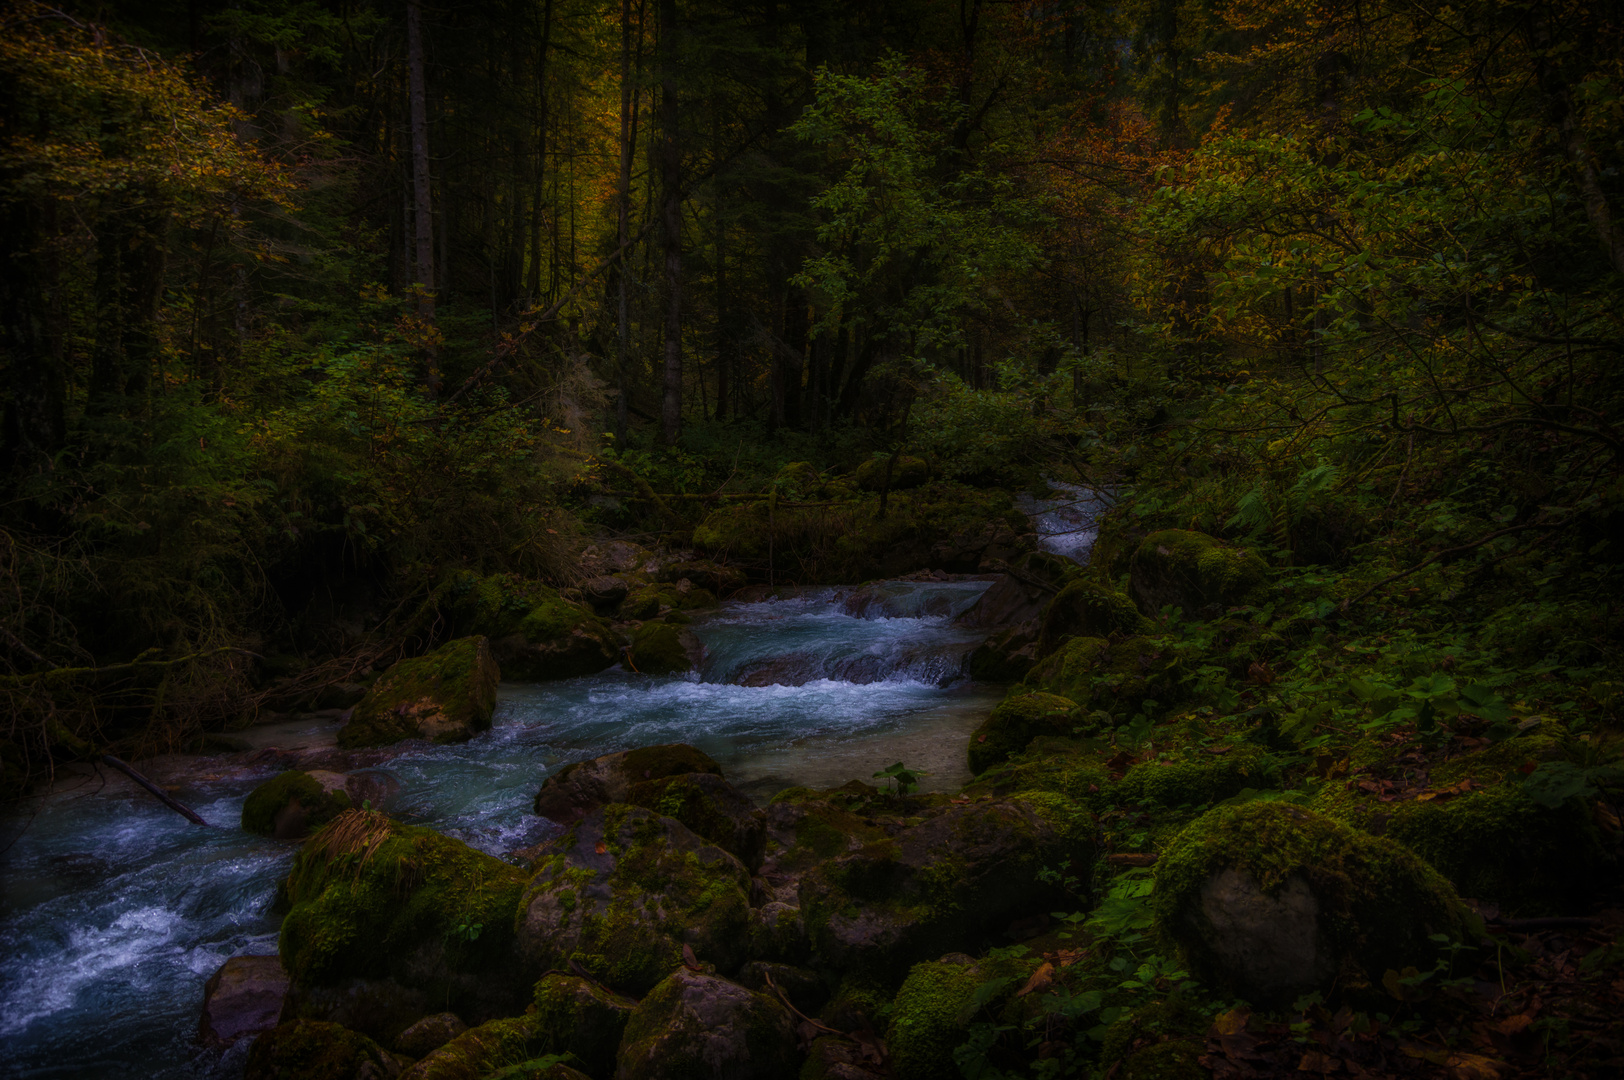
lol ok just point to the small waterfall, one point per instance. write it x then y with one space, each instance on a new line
1065 523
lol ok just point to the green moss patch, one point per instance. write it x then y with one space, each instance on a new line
1194 572
1016 721
660 648
1117 677
315 804
1088 608
445 696
407 903
574 1016
933 1010
315 1050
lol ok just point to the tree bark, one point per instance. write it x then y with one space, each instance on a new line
542 120
422 201
670 161
623 207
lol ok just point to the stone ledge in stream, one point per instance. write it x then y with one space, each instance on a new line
581 787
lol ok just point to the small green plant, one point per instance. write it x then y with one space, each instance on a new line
906 780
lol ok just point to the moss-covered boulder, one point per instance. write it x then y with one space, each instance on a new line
1087 608
1195 780
908 472
693 1025
1269 901
429 1034
316 1050
291 804
580 1018
1071 767
662 648
446 696
480 1051
931 1014
949 882
375 899
711 576
535 634
805 827
711 807
654 599
1116 677
1491 841
579 788
624 890
1016 721
1194 572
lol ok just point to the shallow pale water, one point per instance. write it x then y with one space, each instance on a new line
114 911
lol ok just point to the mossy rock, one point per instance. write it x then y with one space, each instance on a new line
1194 572
1118 538
660 648
316 1050
1269 901
1006 656
711 576
430 1033
1064 766
805 827
1116 677
581 787
650 600
711 807
375 899
1016 721
1196 781
291 804
694 1025
536 634
1087 608
932 1012
446 696
909 472
479 1051
543 1068
946 883
579 1017
624 890
1494 843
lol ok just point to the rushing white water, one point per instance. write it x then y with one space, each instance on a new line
1065 522
114 911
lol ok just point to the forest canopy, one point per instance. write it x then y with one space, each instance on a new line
306 306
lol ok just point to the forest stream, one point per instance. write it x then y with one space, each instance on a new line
115 910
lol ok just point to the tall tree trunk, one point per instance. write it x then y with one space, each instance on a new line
34 426
623 208
542 120
671 221
724 347
422 204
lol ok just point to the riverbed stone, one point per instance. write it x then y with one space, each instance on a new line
1195 572
953 880
374 899
1269 901
579 1017
663 648
293 803
581 787
624 890
429 1034
711 807
446 696
318 1050
246 996
697 1025
1016 721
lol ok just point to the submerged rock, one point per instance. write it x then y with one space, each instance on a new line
1270 901
377 900
1016 721
429 1034
662 648
245 997
947 883
1194 572
291 804
579 788
694 1025
624 890
316 1050
447 696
